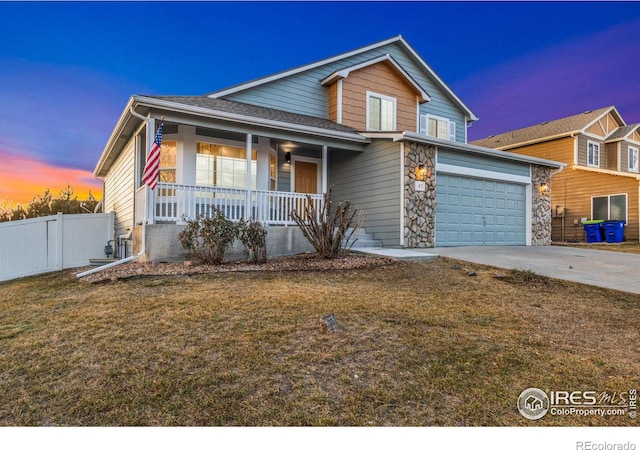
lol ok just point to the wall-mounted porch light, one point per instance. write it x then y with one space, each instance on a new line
543 188
287 157
421 172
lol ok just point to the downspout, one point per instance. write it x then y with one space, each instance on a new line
124 260
144 230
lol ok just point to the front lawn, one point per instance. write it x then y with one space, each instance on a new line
417 344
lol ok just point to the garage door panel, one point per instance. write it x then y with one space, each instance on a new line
475 211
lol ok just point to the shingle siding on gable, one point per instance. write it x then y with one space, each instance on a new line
381 79
302 93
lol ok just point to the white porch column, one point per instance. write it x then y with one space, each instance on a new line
247 211
150 195
325 164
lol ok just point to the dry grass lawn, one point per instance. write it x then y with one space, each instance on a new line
417 344
623 247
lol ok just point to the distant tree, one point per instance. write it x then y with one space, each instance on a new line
40 205
45 205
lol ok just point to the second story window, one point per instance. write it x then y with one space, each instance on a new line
593 154
437 127
381 112
633 159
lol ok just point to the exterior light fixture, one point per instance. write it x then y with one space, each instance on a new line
543 188
421 172
287 157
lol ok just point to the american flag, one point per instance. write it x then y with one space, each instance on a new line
152 166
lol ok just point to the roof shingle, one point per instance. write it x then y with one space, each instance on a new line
545 129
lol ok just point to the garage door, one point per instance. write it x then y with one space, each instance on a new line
475 211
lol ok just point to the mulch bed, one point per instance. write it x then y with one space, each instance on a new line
300 262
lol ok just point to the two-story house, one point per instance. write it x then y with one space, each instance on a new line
376 123
601 180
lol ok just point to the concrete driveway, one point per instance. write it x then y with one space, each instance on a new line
611 270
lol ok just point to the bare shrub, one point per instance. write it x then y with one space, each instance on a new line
329 232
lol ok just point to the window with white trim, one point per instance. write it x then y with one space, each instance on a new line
222 165
381 112
593 154
632 163
437 127
609 207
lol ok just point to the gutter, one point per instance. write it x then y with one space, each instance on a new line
124 260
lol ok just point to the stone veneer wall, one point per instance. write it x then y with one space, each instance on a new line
541 206
419 207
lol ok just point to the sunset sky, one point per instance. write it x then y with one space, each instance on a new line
68 69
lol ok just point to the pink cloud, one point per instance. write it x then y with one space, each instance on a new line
21 178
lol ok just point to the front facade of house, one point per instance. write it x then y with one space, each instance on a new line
602 177
376 124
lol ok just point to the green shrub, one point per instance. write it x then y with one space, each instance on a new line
207 238
254 238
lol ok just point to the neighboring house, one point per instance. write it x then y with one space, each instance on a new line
375 123
601 180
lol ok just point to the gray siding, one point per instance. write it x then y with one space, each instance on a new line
473 161
302 93
582 150
371 181
119 189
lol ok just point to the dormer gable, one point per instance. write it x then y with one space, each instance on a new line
605 125
374 95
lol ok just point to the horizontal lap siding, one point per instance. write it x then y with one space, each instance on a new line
557 150
119 190
371 181
302 93
482 163
573 189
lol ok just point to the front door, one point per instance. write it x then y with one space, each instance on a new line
306 179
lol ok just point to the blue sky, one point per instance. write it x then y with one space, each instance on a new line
68 69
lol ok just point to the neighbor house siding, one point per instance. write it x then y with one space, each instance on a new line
582 151
611 158
119 190
556 150
380 79
302 93
371 181
573 189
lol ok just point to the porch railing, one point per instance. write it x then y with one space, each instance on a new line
175 202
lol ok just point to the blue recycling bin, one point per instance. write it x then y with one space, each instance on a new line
613 230
593 230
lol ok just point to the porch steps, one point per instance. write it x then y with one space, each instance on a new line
365 239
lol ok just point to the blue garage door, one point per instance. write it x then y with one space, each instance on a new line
475 211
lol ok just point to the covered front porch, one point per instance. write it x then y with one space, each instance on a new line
246 172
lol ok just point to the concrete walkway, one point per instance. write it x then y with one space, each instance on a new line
607 269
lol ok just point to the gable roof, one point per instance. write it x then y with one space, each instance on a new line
622 132
397 39
344 73
546 131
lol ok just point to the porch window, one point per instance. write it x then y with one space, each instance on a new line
168 162
593 154
609 207
437 127
224 166
381 112
633 159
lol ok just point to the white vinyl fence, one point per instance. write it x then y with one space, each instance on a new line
46 244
